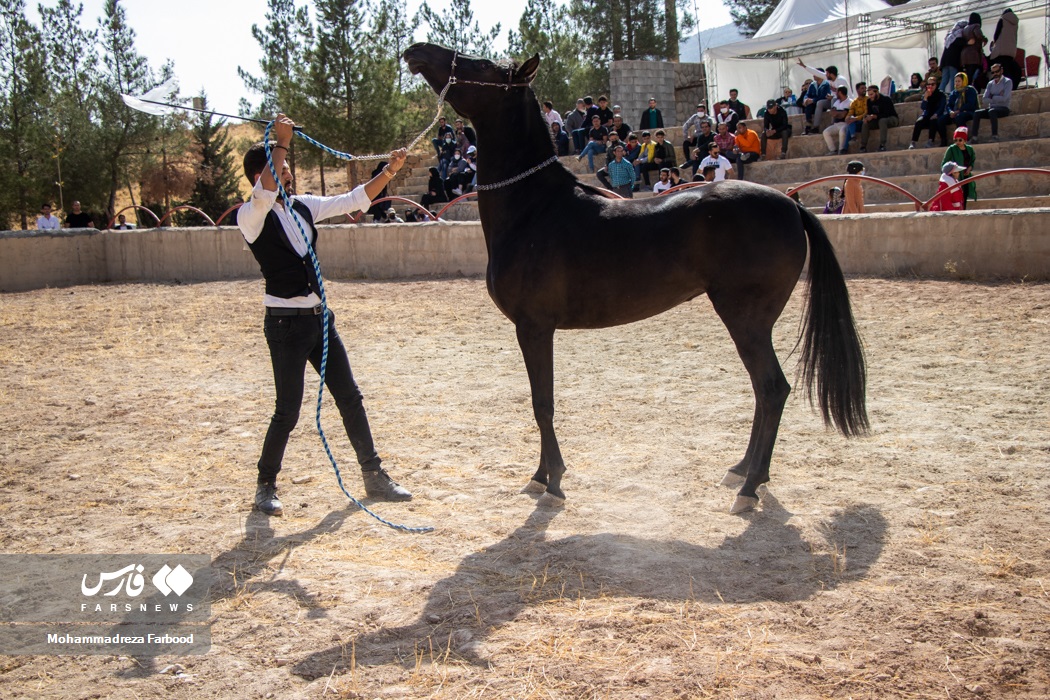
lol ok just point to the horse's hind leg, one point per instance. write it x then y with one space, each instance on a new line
537 347
751 325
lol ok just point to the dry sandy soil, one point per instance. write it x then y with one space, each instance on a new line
913 563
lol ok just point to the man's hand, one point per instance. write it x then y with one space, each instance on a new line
799 61
397 160
282 128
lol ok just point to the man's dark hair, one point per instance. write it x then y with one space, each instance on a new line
645 133
660 132
548 104
588 101
255 160
711 145
603 97
831 69
861 86
710 169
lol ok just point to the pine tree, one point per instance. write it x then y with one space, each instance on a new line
121 129
25 181
750 15
456 28
546 28
285 42
215 185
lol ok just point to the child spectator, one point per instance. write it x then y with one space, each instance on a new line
561 141
835 201
954 200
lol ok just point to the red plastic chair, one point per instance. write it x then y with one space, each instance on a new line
1031 68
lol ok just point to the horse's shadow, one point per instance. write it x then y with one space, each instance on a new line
769 561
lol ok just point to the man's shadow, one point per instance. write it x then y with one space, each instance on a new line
240 570
769 561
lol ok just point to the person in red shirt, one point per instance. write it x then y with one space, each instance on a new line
953 201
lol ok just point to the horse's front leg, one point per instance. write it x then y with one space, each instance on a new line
537 347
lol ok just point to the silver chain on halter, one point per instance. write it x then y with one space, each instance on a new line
452 80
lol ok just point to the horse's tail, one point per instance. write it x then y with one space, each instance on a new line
832 358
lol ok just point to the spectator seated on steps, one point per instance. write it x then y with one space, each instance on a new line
442 129
914 90
741 109
962 103
881 115
835 136
561 141
596 139
996 102
788 103
576 125
818 95
931 109
726 116
663 155
831 80
691 128
705 136
775 125
435 193
748 147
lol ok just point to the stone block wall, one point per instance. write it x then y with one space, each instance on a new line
632 83
677 88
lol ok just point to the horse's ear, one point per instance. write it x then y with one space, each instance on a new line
527 71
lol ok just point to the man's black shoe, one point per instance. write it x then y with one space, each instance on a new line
266 499
380 486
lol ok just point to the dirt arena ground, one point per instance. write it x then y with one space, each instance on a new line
914 563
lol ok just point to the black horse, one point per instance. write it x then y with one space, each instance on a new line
562 255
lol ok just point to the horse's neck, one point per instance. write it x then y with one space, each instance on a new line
511 140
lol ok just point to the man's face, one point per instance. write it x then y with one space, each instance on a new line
441 121
705 127
732 95
832 75
713 152
723 128
618 153
787 93
660 138
873 92
933 63
122 218
617 120
46 210
76 207
580 106
645 139
862 89
555 127
652 103
603 103
664 176
596 122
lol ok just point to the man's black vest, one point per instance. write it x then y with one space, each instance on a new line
287 274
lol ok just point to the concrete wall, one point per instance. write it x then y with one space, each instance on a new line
990 244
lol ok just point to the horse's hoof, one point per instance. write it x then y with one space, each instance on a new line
762 490
732 480
549 500
534 487
742 504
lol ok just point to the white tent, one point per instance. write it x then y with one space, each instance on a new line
865 39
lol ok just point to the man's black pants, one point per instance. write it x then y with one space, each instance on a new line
293 341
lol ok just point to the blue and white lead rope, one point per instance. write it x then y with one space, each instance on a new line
324 321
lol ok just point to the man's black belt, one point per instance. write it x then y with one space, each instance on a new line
282 311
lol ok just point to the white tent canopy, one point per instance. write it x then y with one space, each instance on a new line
865 39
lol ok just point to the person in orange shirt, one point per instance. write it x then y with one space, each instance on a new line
853 190
748 147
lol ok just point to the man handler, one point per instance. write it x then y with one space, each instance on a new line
292 325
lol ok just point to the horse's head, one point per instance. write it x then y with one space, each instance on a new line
477 82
